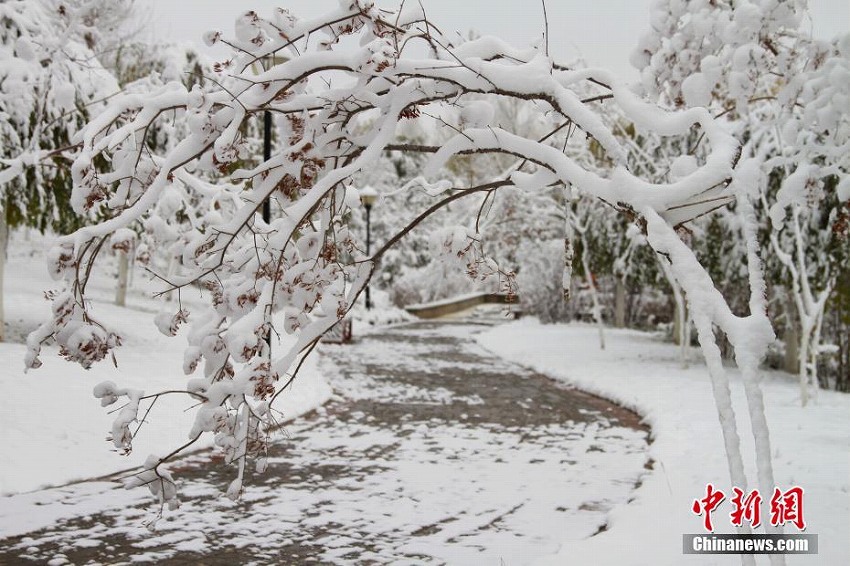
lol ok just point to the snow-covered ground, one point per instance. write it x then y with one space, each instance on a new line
811 446
52 429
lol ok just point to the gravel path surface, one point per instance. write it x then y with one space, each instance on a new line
430 452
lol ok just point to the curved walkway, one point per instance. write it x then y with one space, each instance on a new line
432 451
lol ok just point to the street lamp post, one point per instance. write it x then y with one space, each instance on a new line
268 62
267 154
368 196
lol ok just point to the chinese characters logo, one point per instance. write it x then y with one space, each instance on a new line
785 507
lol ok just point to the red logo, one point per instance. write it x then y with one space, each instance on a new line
785 507
707 505
746 508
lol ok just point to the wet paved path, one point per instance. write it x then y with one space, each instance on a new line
432 451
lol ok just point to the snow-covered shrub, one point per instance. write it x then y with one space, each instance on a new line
540 281
52 83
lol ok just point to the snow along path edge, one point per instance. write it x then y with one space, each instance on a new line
639 371
492 341
310 390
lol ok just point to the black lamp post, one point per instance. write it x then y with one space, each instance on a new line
268 62
267 154
368 196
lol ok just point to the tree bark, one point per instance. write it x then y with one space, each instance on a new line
682 328
4 241
594 295
121 289
681 321
620 303
792 340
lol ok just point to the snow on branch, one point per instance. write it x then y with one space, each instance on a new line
340 89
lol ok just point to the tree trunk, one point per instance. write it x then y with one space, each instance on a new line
792 341
681 322
803 357
121 289
594 295
131 267
679 318
815 346
620 303
682 328
4 240
172 266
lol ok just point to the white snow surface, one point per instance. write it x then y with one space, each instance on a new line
697 90
811 446
52 428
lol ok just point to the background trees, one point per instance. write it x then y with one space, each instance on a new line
52 84
783 92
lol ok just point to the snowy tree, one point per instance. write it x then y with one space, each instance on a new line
51 84
300 273
540 282
402 267
503 218
141 67
838 322
754 67
787 94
